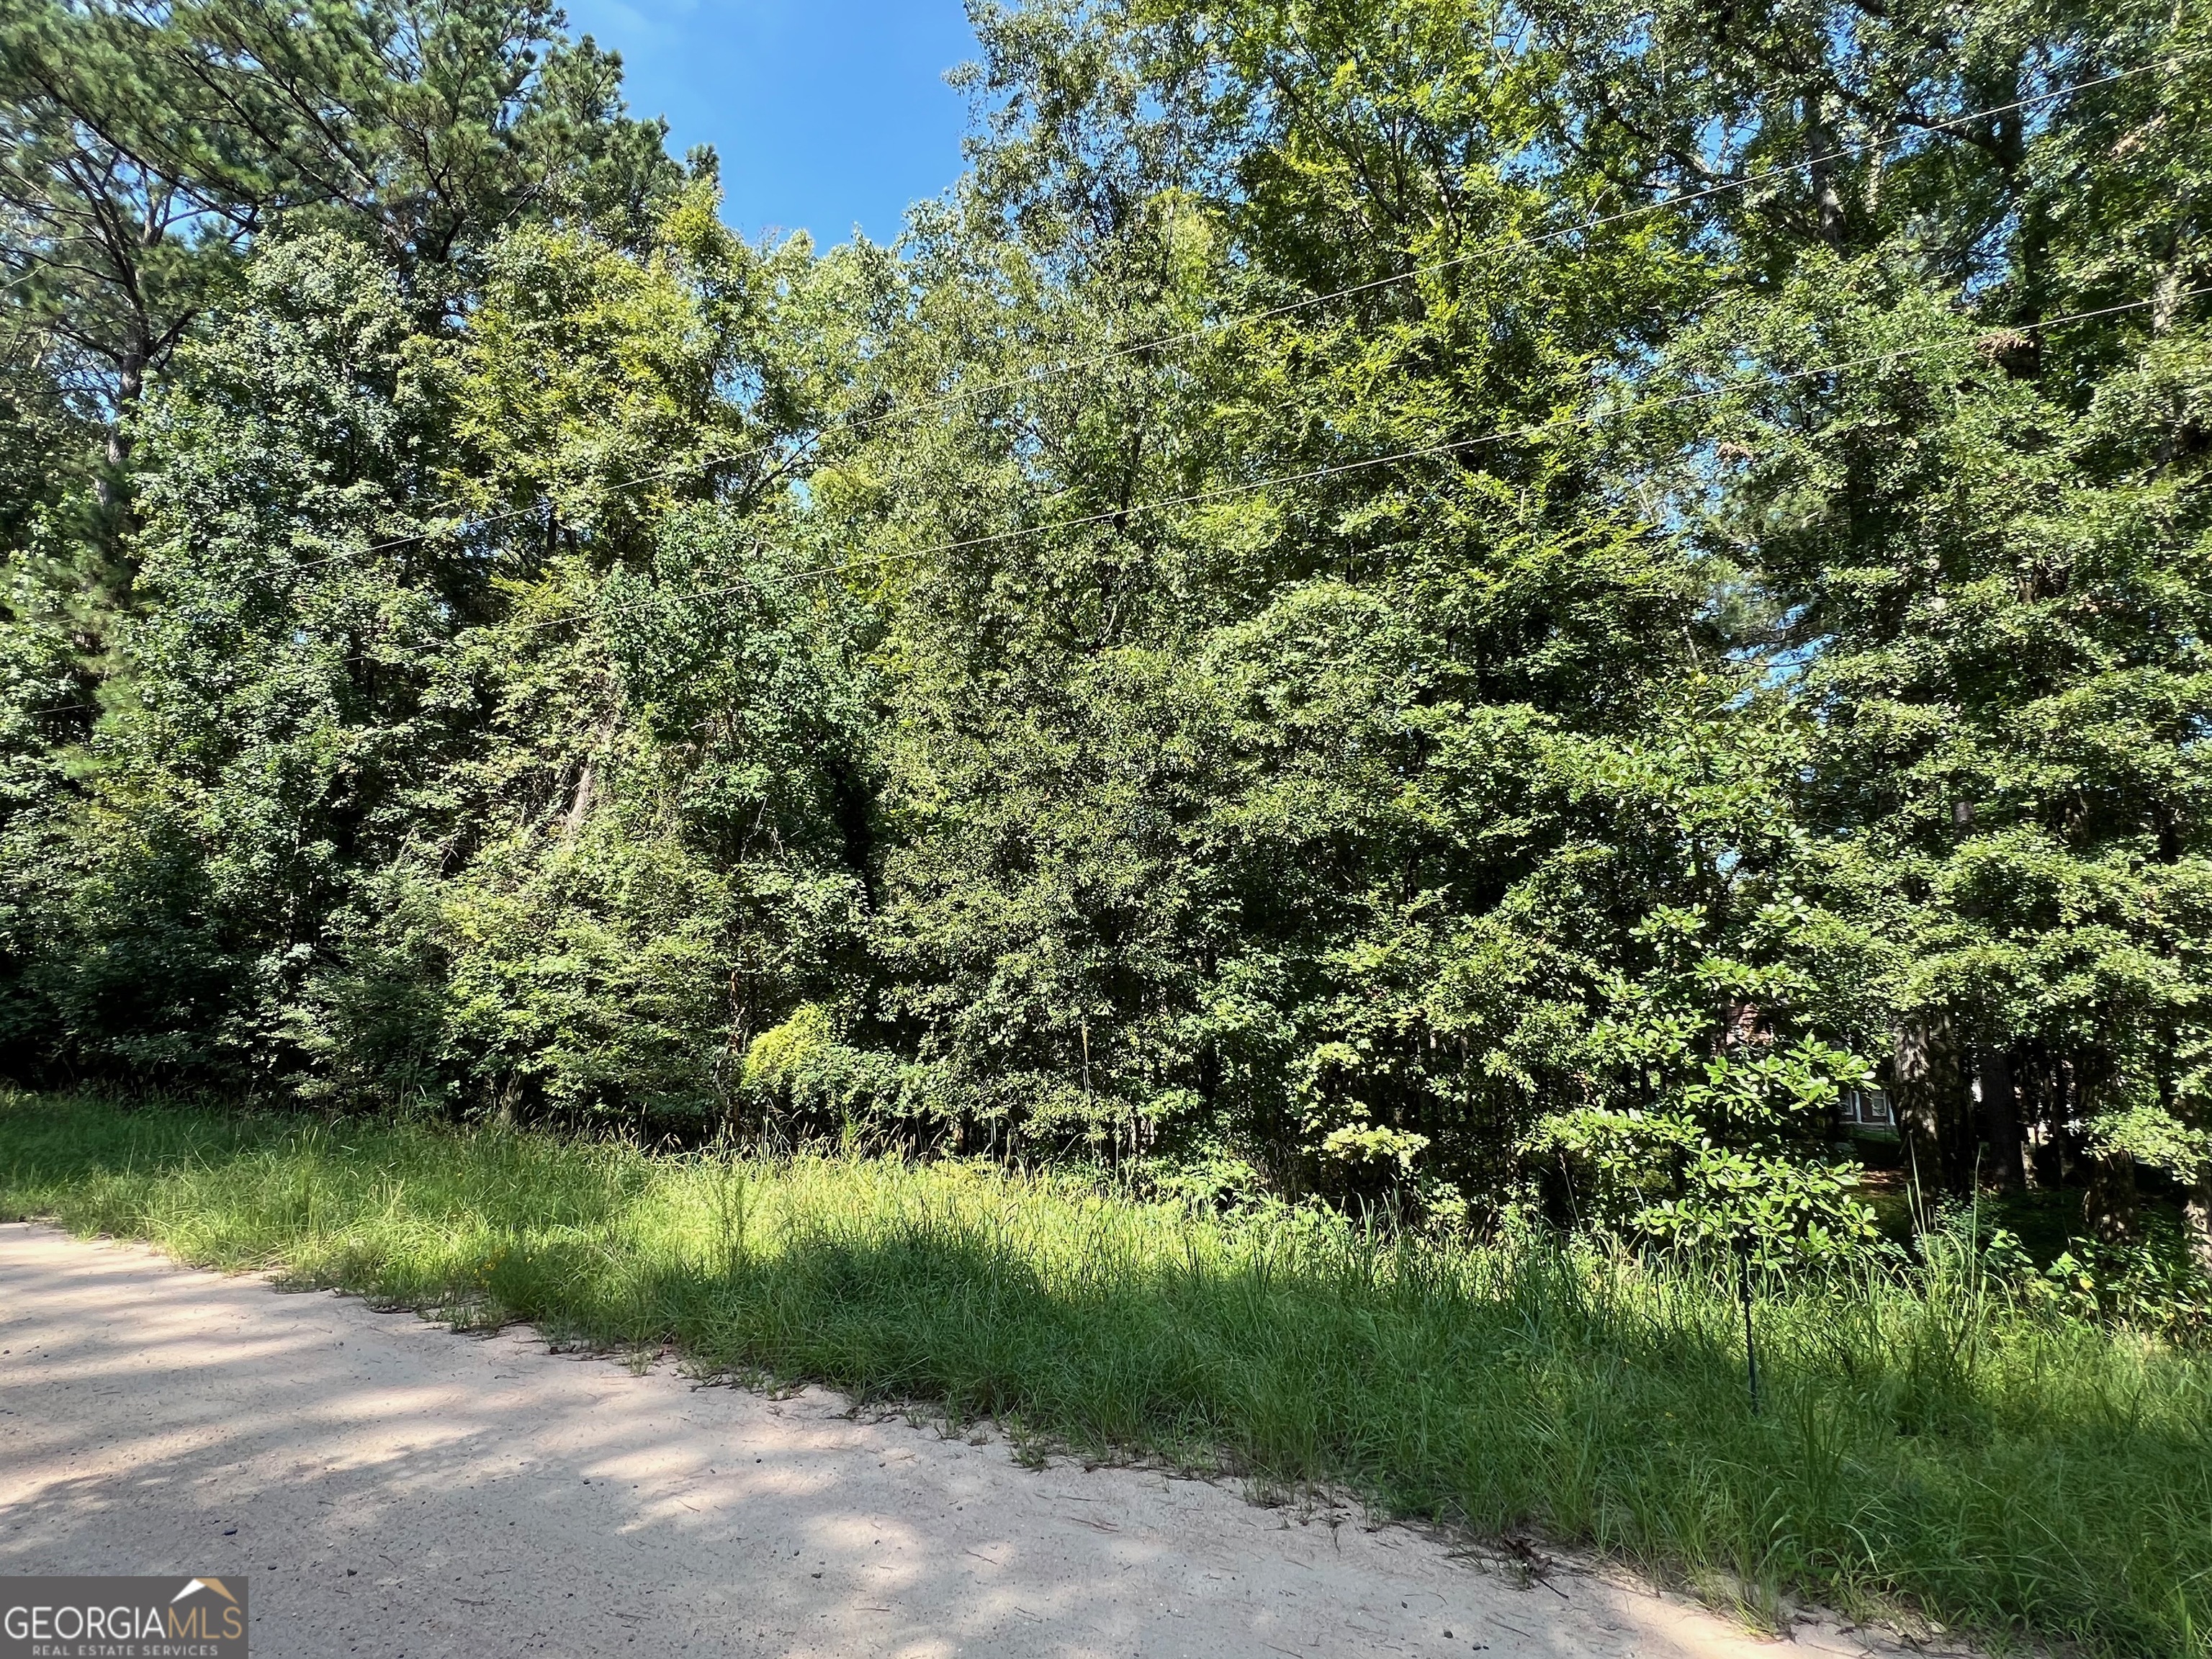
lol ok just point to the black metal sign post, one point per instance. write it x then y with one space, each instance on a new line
1743 1293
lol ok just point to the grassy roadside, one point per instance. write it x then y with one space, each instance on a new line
1922 1443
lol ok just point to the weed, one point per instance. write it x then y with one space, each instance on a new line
1924 1444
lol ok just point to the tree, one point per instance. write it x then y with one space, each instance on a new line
1460 607
1971 524
147 145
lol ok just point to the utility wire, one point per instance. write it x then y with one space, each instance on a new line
1452 447
1230 325
1503 434
1305 302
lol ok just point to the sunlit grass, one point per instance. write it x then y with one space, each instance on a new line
1922 1443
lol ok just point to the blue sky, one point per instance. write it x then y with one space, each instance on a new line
826 113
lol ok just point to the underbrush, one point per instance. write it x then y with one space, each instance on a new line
1926 1440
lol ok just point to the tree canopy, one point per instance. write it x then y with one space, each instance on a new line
1485 607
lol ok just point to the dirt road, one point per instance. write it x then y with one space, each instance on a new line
391 1489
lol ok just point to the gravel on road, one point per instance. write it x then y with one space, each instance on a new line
391 1488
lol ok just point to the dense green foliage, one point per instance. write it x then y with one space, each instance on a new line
1948 1438
1468 605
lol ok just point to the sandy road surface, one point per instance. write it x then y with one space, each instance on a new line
391 1489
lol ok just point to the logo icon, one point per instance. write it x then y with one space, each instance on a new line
123 1618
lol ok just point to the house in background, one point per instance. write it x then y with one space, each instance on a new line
1864 1109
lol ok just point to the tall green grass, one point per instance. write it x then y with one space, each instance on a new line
1923 1443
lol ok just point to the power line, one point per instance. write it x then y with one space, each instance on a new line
1503 434
1305 302
1199 331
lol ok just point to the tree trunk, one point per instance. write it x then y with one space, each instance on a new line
2003 1165
2035 1088
1828 202
2109 1205
2196 1218
1928 1085
112 489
